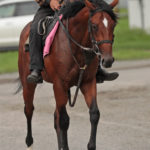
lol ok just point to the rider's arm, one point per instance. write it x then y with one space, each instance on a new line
54 4
43 2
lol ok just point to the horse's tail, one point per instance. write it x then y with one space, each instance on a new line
19 88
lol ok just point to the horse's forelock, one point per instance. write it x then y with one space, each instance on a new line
103 6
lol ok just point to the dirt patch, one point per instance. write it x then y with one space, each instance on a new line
126 93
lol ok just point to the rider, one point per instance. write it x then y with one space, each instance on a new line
47 8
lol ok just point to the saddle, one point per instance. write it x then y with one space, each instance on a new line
47 27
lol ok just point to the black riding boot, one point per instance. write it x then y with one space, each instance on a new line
103 75
35 77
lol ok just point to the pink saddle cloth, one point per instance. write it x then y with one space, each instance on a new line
50 38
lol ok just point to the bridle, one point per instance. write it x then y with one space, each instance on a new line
95 43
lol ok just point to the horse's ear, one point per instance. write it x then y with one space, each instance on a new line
114 3
89 5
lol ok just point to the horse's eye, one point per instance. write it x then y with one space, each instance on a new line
94 27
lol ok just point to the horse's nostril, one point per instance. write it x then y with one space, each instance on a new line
113 59
107 63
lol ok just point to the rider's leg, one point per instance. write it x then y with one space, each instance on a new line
35 49
36 46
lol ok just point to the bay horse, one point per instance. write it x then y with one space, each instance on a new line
90 24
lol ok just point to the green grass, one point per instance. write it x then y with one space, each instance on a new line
131 54
123 11
129 44
8 62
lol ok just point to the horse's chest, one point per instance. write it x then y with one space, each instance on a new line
72 78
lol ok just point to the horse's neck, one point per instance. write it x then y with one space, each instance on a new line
79 27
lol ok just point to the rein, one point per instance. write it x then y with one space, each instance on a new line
89 53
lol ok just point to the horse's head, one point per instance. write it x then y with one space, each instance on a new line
102 21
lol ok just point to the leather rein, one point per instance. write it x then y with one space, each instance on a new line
89 52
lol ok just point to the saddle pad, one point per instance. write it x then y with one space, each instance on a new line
50 38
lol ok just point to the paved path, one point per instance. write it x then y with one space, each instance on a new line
124 106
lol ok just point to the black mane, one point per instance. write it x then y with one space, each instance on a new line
72 8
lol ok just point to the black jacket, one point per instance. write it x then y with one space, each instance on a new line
43 2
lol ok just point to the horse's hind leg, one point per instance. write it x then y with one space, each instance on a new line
61 118
28 94
89 91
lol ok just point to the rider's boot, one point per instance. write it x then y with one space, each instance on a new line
103 75
35 77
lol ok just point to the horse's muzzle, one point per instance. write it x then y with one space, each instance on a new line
107 62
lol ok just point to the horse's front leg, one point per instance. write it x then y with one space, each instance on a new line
89 92
61 118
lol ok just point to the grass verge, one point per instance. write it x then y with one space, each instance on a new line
8 62
130 44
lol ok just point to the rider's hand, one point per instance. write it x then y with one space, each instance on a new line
40 2
54 4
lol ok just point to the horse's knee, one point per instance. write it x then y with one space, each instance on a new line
28 110
94 116
94 113
64 119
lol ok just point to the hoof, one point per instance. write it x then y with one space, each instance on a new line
30 148
91 146
29 141
66 148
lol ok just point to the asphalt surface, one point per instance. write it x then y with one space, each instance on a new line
124 105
